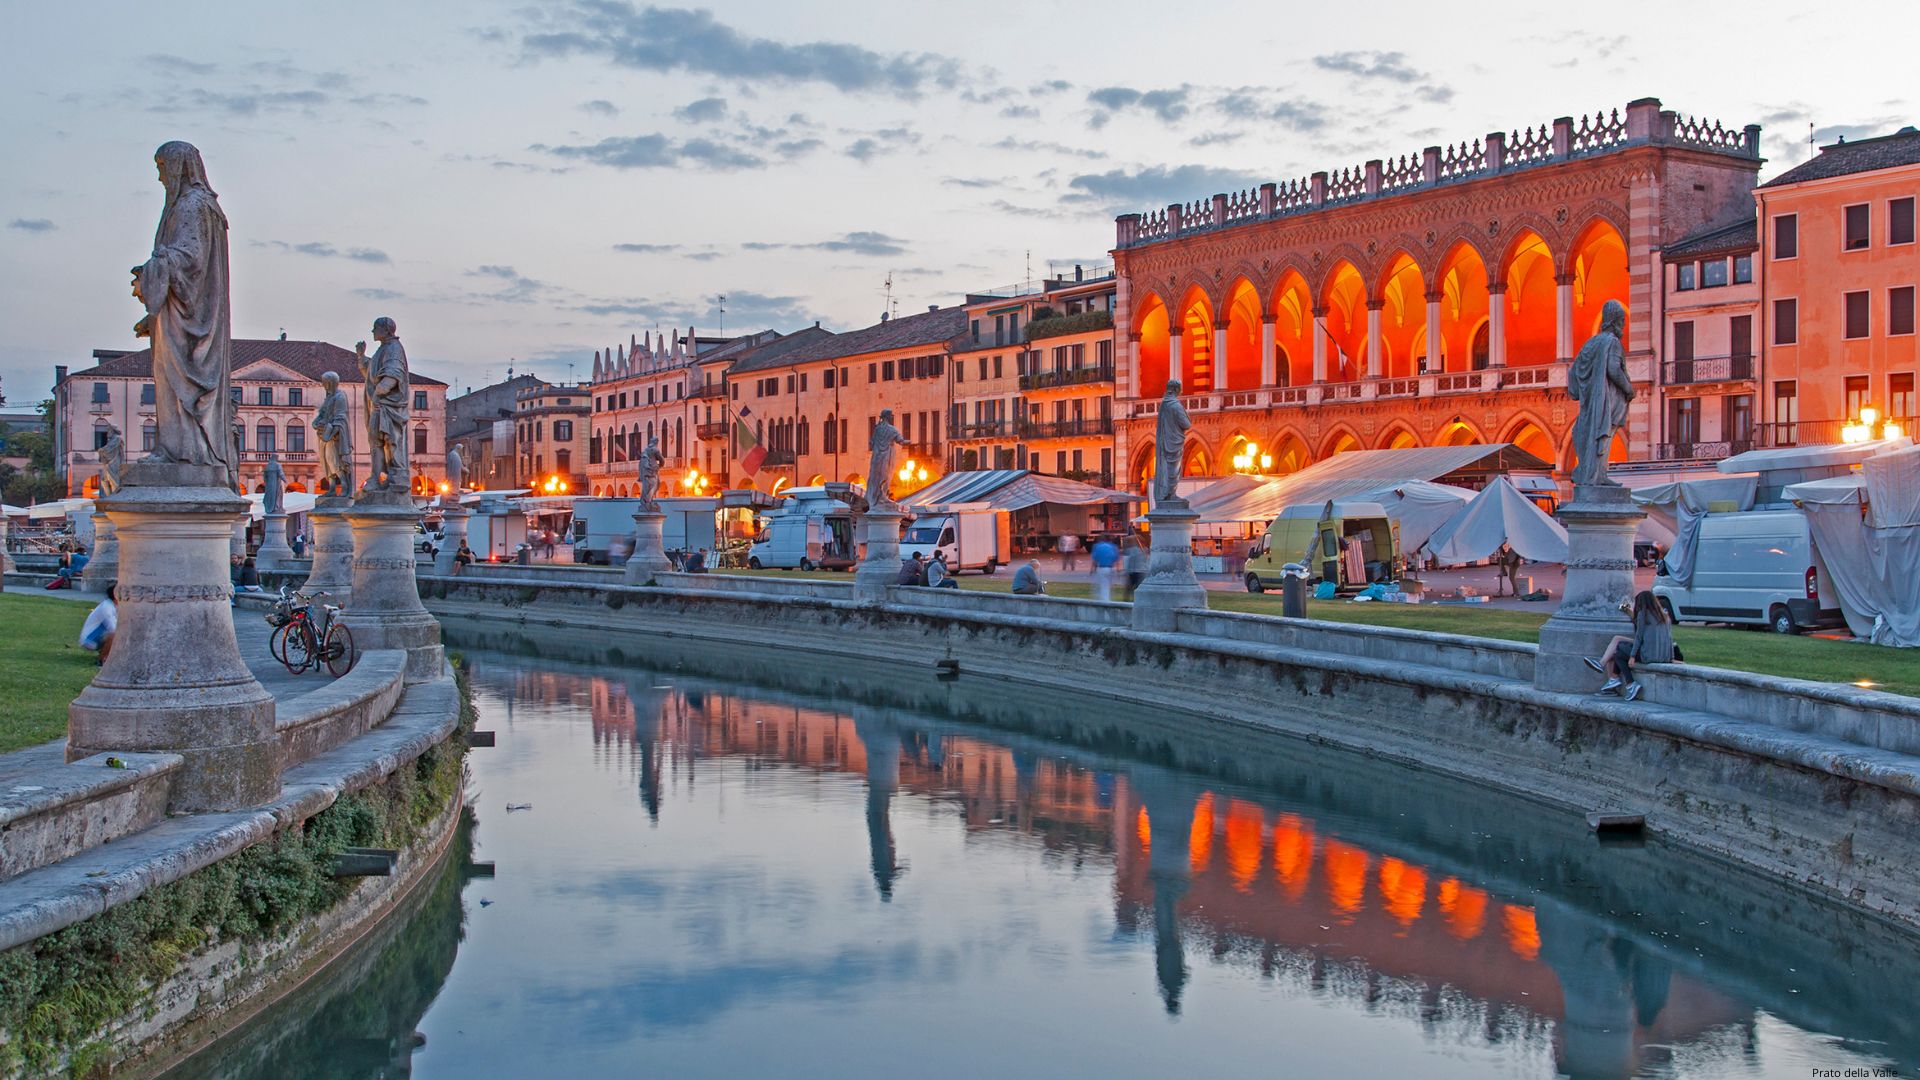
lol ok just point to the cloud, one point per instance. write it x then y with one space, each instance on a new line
515 288
855 243
1119 191
1216 138
647 249
1004 207
600 107
379 294
179 63
1385 66
321 250
747 308
973 181
1042 146
32 225
1263 104
655 151
242 103
1051 86
1170 106
677 39
386 101
1020 112
864 150
705 111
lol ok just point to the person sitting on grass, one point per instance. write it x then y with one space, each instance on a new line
1651 643
96 634
1026 580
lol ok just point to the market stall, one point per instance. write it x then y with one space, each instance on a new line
1499 515
1042 508
1867 527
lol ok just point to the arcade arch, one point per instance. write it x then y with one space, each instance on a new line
1403 318
1462 288
1529 301
1293 331
1243 336
1346 320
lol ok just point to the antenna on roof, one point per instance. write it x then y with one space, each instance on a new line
1029 266
720 327
892 306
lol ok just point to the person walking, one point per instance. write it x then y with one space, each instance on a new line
1026 580
1069 548
1651 643
1508 560
1106 560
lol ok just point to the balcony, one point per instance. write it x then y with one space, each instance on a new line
287 457
1702 451
1707 369
1486 380
1084 375
709 432
710 390
922 451
778 457
1086 427
984 429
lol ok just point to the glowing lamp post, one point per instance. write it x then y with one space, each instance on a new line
1868 427
1250 460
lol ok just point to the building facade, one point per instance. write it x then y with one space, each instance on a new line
481 424
276 387
1429 300
1706 393
551 424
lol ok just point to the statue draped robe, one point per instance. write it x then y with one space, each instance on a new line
185 289
1169 448
1598 380
387 415
880 464
335 428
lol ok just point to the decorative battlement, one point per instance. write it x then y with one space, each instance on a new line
1643 122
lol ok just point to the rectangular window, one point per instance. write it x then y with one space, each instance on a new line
649 395
1858 324
790 384
1900 310
1683 423
873 374
976 331
1737 421
1713 273
1683 276
983 369
959 373
563 430
1742 269
1858 395
1858 228
1900 395
420 440
296 439
146 394
263 438
1786 236
1900 221
827 379
232 391
1683 342
296 396
263 396
100 393
420 400
886 371
1786 412
1786 322
146 437
803 382
996 367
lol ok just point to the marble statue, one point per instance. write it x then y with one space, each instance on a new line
332 424
273 487
1170 428
385 374
650 460
184 288
456 472
880 466
113 458
1599 382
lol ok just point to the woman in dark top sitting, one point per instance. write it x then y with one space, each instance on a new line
1651 643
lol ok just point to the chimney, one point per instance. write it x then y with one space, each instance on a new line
1079 272
933 307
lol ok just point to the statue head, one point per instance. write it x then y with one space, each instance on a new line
180 168
1613 318
1173 388
385 329
886 415
330 381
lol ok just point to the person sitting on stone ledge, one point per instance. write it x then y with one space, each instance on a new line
462 558
938 576
697 562
913 571
1651 643
1026 580
249 577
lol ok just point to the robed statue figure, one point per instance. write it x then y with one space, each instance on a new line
273 488
1599 382
333 424
456 472
385 375
113 458
189 320
1170 428
650 460
880 465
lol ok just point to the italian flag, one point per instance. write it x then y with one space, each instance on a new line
749 448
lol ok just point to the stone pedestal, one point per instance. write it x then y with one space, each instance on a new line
175 681
1600 524
6 553
386 611
103 565
453 522
649 548
1170 584
275 553
879 568
238 544
332 547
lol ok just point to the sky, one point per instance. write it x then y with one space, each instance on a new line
518 184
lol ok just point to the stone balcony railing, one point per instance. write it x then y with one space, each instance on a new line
1707 369
715 430
708 390
1439 384
1498 153
1084 375
1084 427
982 429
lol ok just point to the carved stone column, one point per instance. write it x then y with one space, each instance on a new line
1600 524
1376 345
386 611
104 565
175 682
879 567
1319 345
649 556
453 523
1170 584
332 570
1497 325
1435 360
1220 355
1268 361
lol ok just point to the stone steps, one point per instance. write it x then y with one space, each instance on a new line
51 810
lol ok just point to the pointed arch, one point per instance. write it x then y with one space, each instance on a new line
1530 435
1243 335
1290 453
1345 300
1526 273
1340 440
1142 469
1292 308
1403 315
1596 268
1397 436
1150 345
1460 432
1461 284
1195 323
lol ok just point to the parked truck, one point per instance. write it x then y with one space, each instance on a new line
973 536
813 530
603 529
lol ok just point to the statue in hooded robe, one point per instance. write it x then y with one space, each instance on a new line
113 458
456 472
650 461
184 288
273 487
1599 382
880 464
332 423
385 378
1170 427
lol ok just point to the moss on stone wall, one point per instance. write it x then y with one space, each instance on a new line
58 993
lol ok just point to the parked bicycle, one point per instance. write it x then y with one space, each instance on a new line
303 638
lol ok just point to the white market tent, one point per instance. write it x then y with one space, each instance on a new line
1679 506
1353 475
10 510
59 508
1867 529
295 502
1012 489
1499 513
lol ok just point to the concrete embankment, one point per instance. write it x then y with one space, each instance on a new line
1812 783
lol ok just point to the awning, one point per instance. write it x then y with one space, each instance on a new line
1500 513
1013 489
1870 556
1359 472
59 508
10 510
1808 457
294 502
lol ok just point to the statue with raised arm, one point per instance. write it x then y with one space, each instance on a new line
332 423
273 487
880 465
385 375
184 287
1599 382
1170 428
113 458
456 472
650 459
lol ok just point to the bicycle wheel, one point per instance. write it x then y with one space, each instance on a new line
300 647
339 650
277 642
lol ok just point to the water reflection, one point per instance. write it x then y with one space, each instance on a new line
1034 868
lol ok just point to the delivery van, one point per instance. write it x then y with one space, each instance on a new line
1754 568
804 541
602 528
973 537
1320 537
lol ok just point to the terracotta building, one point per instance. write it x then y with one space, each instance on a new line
1839 269
480 422
1706 397
1428 300
276 384
550 437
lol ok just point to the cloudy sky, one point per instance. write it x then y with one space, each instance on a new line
520 183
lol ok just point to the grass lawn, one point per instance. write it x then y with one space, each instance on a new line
1893 670
42 668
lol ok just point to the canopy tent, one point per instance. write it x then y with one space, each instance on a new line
1808 457
1871 551
1012 489
1421 507
1679 506
10 510
1499 513
1353 474
59 508
294 502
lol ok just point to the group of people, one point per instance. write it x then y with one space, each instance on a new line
934 572
1109 561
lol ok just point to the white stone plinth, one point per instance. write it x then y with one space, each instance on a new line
453 524
274 553
649 548
1170 584
104 564
332 547
1600 523
238 545
6 554
386 611
879 567
175 681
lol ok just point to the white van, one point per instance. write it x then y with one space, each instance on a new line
973 537
1755 568
805 542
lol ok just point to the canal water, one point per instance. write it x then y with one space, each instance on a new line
733 865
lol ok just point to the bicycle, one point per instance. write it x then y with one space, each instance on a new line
280 616
304 645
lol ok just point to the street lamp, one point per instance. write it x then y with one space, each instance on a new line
1250 459
1869 427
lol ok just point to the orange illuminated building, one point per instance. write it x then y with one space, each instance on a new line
551 437
1839 270
1430 300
